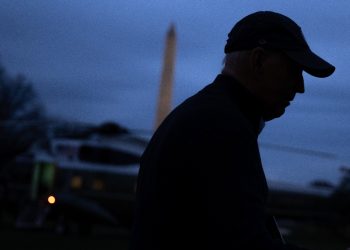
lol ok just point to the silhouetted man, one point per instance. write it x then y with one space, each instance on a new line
201 184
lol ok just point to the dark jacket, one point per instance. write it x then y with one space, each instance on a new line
201 184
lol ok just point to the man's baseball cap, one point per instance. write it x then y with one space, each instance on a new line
275 31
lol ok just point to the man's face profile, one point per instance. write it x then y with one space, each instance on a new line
279 80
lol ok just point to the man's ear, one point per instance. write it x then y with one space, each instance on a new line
257 58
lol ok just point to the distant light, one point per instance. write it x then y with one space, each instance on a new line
76 182
98 185
51 199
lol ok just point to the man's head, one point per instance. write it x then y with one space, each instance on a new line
269 53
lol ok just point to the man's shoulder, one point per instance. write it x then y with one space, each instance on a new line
206 112
205 105
212 108
210 98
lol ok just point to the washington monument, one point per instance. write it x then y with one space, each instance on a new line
166 84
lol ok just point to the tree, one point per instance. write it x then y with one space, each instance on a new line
21 116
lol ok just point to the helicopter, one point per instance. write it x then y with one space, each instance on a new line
82 182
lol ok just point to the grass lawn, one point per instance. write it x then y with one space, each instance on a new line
306 235
318 237
21 239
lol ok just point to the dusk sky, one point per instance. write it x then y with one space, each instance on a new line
96 61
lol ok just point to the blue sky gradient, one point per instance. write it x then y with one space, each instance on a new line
96 61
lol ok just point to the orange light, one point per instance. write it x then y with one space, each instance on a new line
51 199
98 185
76 182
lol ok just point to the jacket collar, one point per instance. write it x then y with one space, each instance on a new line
248 104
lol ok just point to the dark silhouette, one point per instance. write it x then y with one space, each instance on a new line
201 184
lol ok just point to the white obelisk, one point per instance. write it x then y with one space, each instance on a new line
166 84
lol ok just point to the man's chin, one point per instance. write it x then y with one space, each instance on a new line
270 115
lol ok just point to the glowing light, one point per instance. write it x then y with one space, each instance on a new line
98 185
51 199
76 182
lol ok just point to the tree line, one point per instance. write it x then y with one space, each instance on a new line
20 113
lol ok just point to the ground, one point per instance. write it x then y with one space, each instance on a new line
307 235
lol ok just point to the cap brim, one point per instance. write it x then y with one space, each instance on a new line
312 63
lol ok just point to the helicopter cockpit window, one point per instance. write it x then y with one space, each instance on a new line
105 155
